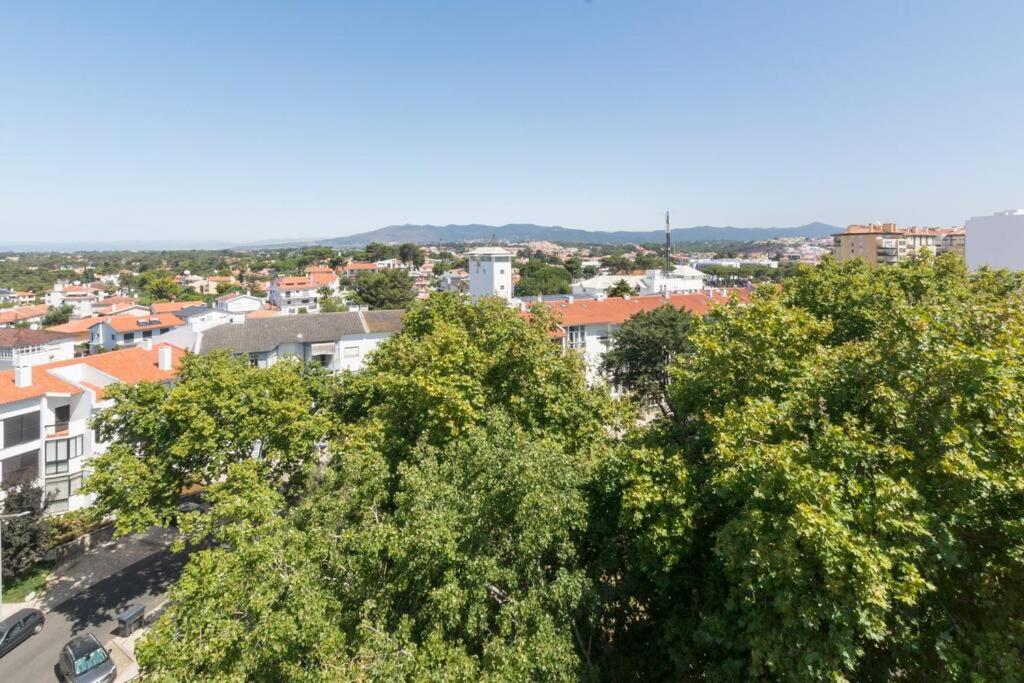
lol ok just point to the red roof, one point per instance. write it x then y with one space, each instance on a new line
19 313
125 365
131 323
172 306
616 310
358 265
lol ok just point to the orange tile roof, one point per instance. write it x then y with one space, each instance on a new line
19 313
262 313
130 366
172 306
324 278
356 265
131 323
77 326
615 310
319 269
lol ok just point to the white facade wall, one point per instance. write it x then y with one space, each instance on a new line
349 352
36 355
240 304
490 275
996 241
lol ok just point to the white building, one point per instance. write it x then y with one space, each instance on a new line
490 272
33 347
127 330
295 294
45 411
680 279
587 325
239 303
599 284
996 241
338 341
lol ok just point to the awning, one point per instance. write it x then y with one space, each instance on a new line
322 349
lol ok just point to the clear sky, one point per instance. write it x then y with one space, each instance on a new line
257 120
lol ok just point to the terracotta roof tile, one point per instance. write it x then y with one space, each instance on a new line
172 306
132 323
615 310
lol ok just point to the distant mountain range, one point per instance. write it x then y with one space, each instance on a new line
432 234
527 232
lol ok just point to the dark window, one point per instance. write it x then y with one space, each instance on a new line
147 334
61 417
163 330
20 468
129 336
21 429
59 451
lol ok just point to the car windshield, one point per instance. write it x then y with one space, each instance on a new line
93 659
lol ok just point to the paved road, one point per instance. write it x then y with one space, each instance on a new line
91 610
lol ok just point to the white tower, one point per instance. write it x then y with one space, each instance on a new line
490 272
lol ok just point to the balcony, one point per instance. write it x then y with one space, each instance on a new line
58 430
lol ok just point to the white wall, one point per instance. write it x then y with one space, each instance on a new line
996 241
490 276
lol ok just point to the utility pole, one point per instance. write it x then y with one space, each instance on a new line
668 246
4 518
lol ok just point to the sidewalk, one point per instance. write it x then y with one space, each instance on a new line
98 563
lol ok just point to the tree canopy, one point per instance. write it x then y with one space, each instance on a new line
538 277
833 493
388 289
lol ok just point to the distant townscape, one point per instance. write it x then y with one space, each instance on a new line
110 359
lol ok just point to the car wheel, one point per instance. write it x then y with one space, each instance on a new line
38 628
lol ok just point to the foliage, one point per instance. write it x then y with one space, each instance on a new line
441 540
388 289
537 277
70 525
57 315
411 254
642 350
838 496
31 581
620 288
220 411
25 539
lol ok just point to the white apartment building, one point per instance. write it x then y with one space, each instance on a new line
338 341
45 412
33 347
295 294
996 241
587 325
490 272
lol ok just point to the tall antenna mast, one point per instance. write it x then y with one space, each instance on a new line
668 246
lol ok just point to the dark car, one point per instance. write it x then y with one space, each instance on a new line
84 660
15 629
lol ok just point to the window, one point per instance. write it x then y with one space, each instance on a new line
351 352
59 490
146 334
60 451
574 336
21 429
23 467
129 336
164 330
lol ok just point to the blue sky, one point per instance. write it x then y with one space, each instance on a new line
247 121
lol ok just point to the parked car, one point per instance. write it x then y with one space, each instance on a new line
84 660
15 629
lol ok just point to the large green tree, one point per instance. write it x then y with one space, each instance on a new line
440 541
641 352
840 497
164 440
538 277
25 538
389 289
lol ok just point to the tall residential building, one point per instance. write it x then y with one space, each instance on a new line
996 241
490 272
45 410
879 243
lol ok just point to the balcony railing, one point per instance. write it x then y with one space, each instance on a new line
58 430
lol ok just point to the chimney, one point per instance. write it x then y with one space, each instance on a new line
163 358
22 375
570 298
147 344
